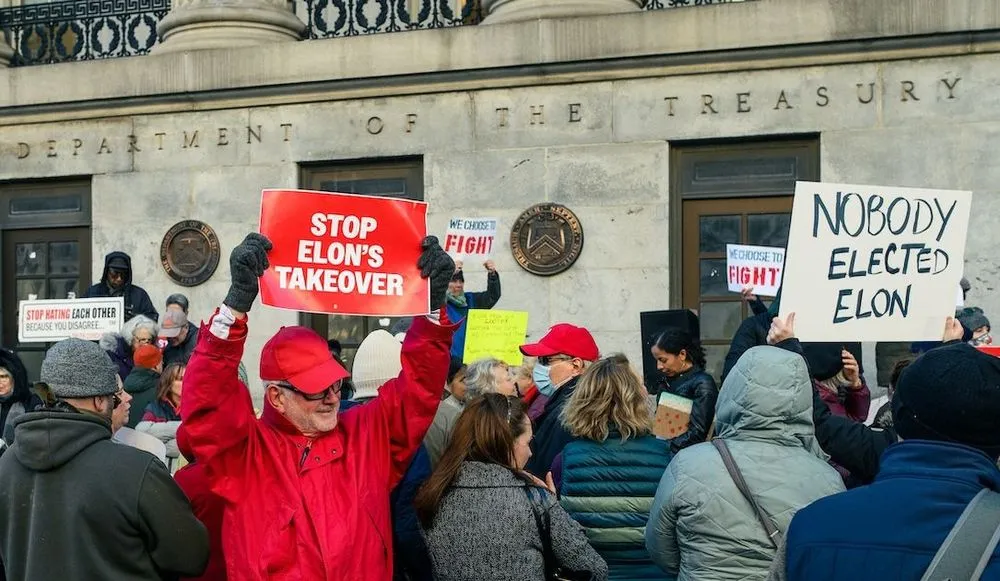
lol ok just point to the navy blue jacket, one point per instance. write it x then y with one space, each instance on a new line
412 561
891 529
550 435
608 487
484 300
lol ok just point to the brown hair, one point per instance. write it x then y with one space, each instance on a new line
609 394
167 380
485 432
897 370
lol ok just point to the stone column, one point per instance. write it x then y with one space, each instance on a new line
500 11
204 24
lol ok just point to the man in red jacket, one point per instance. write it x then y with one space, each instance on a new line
307 493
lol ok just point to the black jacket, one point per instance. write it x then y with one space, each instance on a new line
182 352
550 435
137 300
141 384
75 506
20 400
699 387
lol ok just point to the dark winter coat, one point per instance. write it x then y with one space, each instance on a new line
485 528
550 435
608 487
700 388
141 384
113 512
137 300
20 400
751 333
181 353
892 528
484 300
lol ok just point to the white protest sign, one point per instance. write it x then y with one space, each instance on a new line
871 263
471 238
756 266
44 321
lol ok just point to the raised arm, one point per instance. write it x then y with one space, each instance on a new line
490 297
406 405
218 414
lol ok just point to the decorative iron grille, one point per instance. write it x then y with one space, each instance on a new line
332 18
660 4
81 29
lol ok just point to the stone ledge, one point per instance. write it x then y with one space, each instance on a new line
406 58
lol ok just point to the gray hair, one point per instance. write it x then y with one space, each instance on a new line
136 323
479 377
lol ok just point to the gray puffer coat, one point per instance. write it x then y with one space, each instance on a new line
485 529
700 526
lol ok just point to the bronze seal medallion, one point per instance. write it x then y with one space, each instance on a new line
190 252
546 239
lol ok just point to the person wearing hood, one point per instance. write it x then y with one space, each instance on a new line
563 355
307 490
129 520
944 411
701 526
141 384
16 397
116 281
459 302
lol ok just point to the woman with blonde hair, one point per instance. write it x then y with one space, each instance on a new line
608 475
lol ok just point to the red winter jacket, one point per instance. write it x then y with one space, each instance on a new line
300 511
209 508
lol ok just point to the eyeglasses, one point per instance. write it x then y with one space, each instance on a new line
116 398
547 360
334 389
146 340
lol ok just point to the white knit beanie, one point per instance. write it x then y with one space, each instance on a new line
376 362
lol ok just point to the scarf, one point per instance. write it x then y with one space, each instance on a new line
458 301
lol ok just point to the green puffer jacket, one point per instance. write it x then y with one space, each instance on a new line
700 526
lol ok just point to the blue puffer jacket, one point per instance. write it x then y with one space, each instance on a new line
891 529
608 487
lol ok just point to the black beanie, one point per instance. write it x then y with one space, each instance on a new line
825 359
950 394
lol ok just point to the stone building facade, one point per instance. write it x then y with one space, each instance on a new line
667 132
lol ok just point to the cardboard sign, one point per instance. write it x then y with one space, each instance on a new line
471 239
46 321
497 334
673 415
870 263
756 266
343 254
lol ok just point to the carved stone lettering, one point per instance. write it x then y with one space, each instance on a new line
52 149
503 117
104 148
782 100
190 142
822 97
375 125
77 144
670 105
223 137
23 150
950 85
908 87
411 120
538 115
743 103
871 94
574 113
707 106
159 140
133 143
251 134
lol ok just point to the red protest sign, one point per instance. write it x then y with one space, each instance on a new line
343 254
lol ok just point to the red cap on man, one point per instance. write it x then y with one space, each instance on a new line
301 357
564 339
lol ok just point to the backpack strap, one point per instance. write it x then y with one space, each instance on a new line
773 534
969 546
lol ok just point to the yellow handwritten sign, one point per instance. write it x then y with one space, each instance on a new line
495 334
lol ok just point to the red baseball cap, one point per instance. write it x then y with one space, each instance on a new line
301 357
564 339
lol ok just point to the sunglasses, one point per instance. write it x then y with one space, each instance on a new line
547 360
334 389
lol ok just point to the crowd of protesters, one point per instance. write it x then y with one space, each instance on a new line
141 456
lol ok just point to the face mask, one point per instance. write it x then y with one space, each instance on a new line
542 380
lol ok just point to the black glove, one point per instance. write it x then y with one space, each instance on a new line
436 265
247 263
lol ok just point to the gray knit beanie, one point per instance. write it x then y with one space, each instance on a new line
76 368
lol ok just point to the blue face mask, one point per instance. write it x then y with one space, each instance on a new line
542 380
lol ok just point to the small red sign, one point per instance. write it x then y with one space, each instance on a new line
343 254
989 350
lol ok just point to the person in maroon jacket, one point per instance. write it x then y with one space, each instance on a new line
306 492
